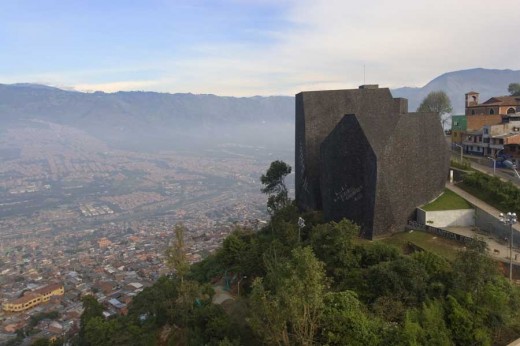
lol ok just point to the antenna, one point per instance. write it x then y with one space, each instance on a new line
364 75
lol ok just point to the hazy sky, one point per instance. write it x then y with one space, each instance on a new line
256 47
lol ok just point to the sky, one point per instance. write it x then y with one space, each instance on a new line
256 47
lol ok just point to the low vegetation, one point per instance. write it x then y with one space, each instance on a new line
464 164
449 200
409 241
504 196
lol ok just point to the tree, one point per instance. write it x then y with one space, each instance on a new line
274 183
100 332
232 251
176 254
344 318
426 326
286 308
404 279
437 102
41 342
474 268
92 309
332 242
156 303
464 329
514 89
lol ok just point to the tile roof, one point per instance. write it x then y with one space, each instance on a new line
26 298
48 289
503 100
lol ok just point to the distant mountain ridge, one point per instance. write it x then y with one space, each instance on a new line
148 117
487 82
34 100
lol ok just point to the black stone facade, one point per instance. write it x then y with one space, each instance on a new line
361 156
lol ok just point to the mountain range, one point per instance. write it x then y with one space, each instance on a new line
150 119
487 82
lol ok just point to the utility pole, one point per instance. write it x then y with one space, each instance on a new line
509 219
301 224
494 164
460 146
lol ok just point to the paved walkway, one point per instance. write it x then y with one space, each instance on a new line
515 343
221 295
498 248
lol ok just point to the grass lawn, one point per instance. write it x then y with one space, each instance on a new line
449 200
440 246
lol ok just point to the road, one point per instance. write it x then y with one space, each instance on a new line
485 165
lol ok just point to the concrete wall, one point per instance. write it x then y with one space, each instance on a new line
447 218
491 223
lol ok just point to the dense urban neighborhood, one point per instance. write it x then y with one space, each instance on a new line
98 221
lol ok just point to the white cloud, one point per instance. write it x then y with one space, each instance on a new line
401 42
118 86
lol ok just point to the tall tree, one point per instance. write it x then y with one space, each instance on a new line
287 307
188 290
274 184
176 253
437 102
514 89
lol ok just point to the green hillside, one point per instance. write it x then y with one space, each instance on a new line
323 287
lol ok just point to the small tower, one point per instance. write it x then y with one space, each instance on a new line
472 99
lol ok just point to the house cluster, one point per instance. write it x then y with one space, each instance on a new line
32 298
491 128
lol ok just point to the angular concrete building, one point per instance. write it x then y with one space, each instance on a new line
360 155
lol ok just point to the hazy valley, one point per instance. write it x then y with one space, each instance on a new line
92 184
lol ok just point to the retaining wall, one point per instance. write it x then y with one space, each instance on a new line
447 218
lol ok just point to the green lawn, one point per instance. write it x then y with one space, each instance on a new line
441 246
449 200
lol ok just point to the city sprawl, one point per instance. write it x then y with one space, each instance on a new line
76 212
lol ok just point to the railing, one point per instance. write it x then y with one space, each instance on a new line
476 144
441 232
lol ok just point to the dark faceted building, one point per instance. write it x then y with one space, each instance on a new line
360 155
